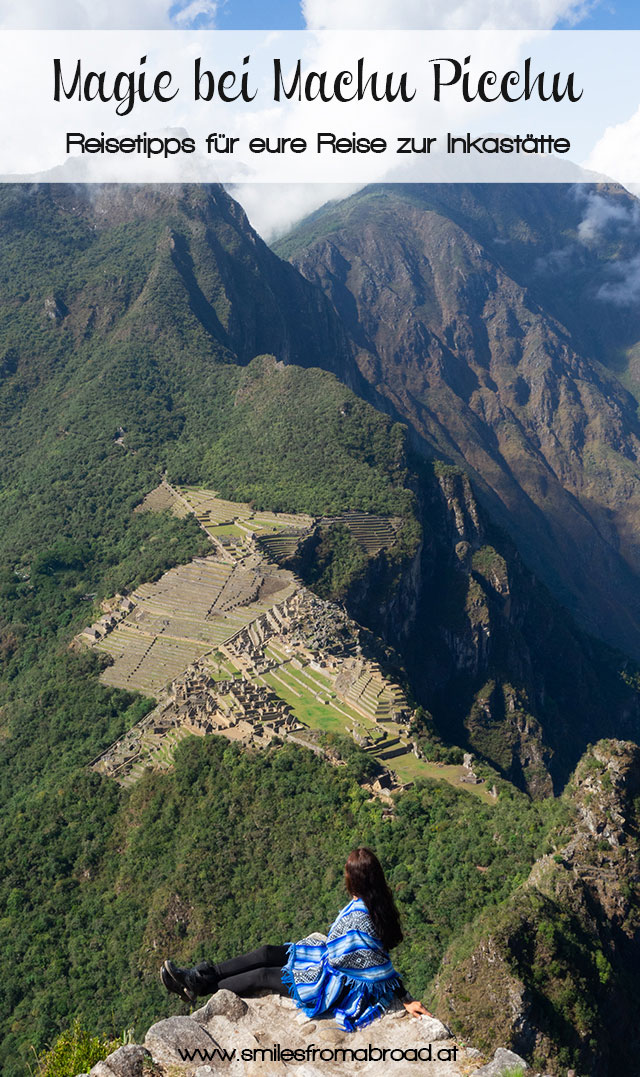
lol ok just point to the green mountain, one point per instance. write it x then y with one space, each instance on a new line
501 324
146 332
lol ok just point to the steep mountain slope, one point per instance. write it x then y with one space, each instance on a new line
554 970
106 247
500 665
124 316
485 317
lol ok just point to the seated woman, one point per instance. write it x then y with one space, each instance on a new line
347 974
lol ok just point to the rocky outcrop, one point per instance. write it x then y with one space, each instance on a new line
266 1036
503 1062
54 309
553 972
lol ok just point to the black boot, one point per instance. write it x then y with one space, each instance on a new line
189 983
206 978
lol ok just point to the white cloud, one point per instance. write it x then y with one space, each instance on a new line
617 153
197 13
608 218
115 15
284 206
273 209
439 14
603 214
623 286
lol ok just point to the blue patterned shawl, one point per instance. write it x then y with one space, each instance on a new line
349 973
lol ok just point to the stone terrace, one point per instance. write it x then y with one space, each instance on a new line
191 610
375 533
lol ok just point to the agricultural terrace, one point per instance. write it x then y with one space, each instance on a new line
374 533
234 524
187 613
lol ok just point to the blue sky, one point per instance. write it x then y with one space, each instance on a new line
320 14
610 15
287 15
248 15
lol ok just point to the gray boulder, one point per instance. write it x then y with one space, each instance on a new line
502 1062
432 1029
170 1041
127 1061
222 1004
268 1036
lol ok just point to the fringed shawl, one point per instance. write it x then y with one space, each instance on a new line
349 973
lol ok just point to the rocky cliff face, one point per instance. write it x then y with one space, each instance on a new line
492 321
498 663
554 971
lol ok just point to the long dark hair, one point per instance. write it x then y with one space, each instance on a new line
364 878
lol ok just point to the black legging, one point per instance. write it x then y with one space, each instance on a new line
259 970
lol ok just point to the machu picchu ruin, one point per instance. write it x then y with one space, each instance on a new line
198 703
234 644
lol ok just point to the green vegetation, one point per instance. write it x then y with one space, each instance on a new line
422 729
262 452
549 944
546 946
331 561
75 1051
127 877
361 766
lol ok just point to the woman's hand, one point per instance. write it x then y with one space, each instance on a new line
416 1009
